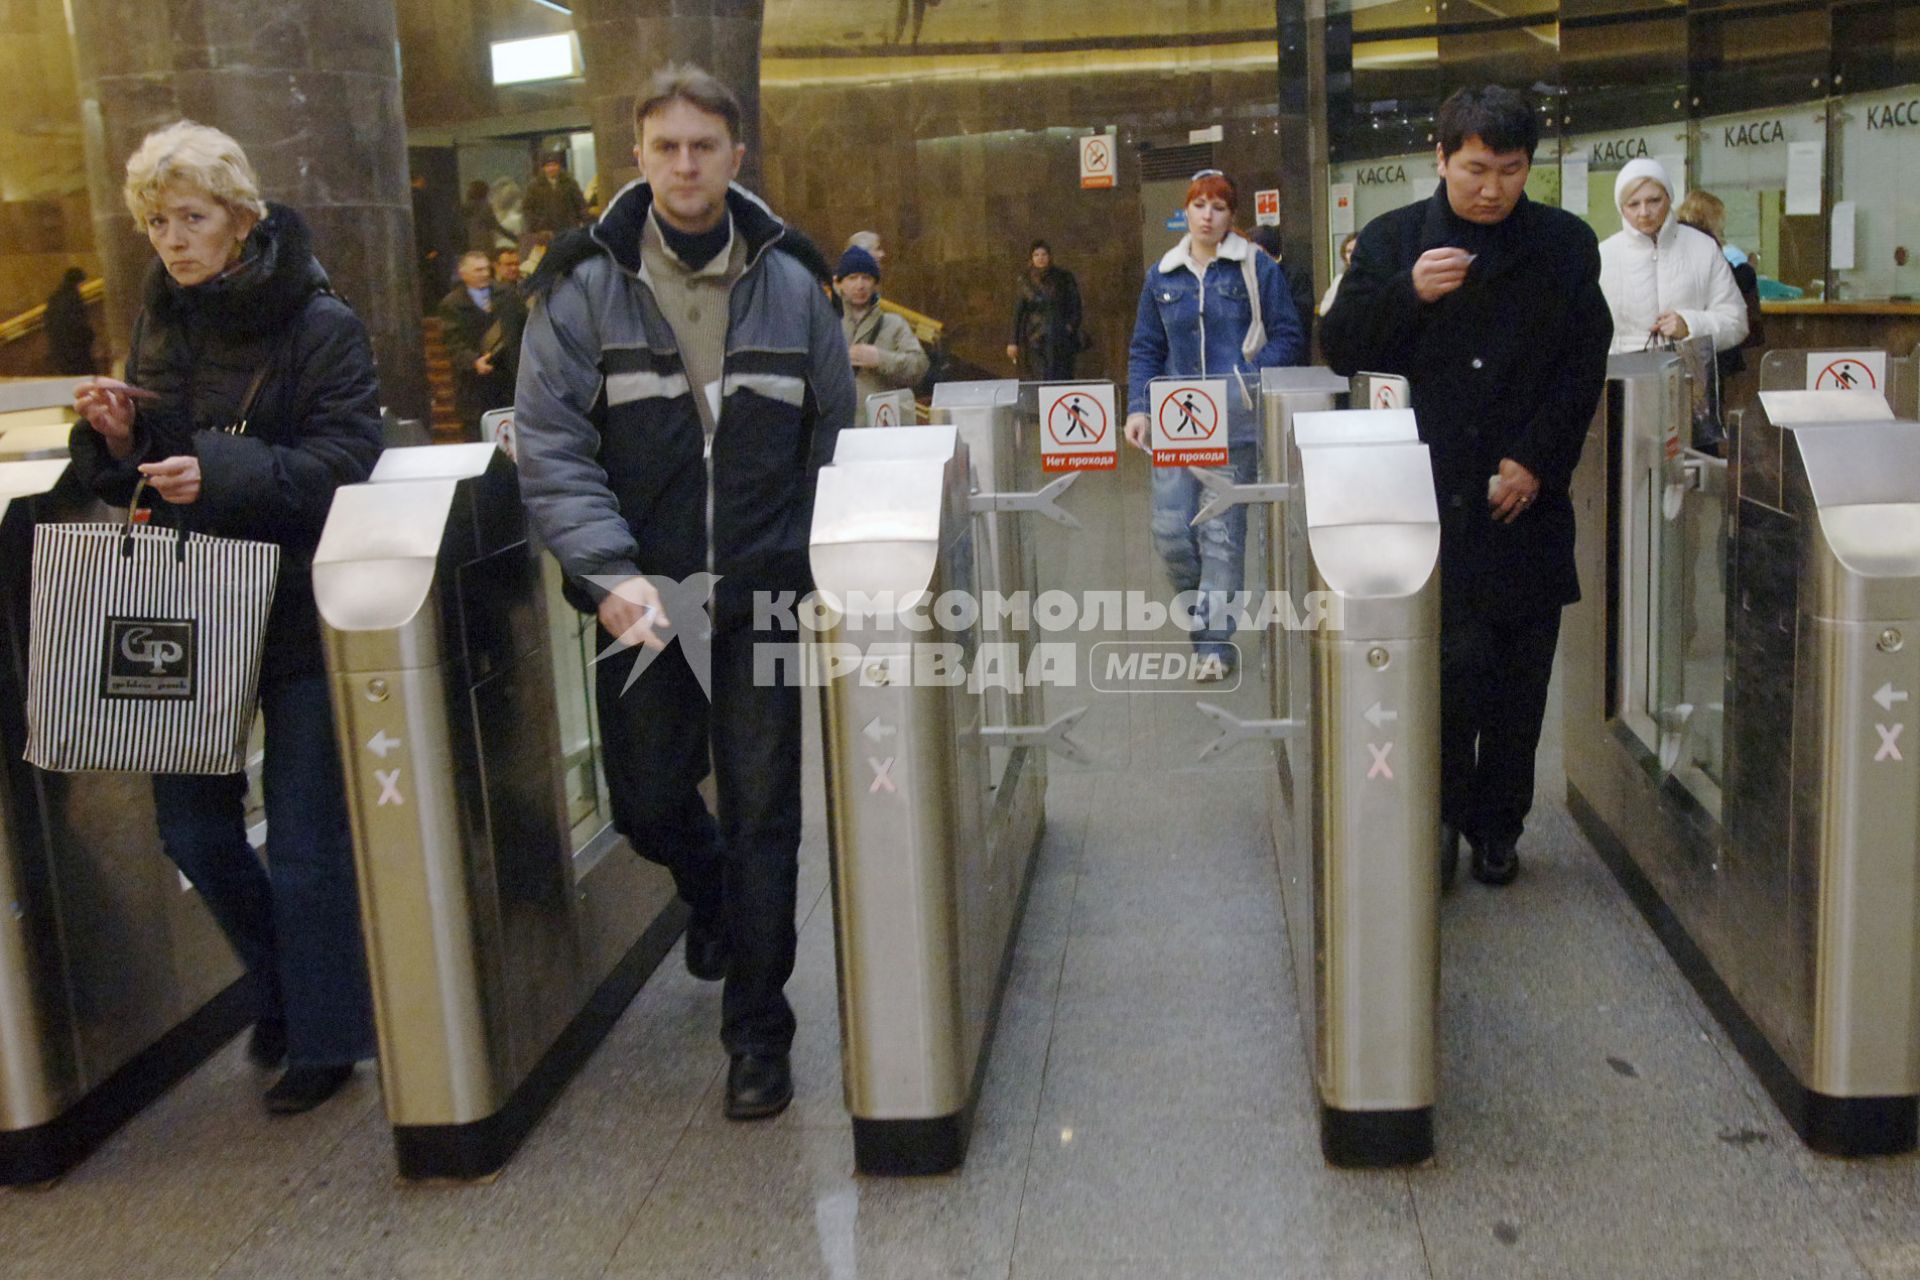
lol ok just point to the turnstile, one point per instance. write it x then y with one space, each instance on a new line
1355 787
1738 699
114 980
1815 369
507 925
935 803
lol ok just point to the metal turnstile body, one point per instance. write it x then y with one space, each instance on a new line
502 938
1739 696
1357 818
114 980
933 832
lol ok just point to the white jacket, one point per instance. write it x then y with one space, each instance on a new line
1679 269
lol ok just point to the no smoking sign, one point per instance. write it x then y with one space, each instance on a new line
1076 427
1096 160
1189 422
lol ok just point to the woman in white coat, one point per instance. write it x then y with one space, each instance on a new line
1661 277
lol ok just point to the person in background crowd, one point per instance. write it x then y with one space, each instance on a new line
1346 260
506 270
1489 304
870 241
480 225
481 324
553 202
69 332
881 346
1212 307
1704 211
1266 237
1663 280
237 301
682 383
1046 319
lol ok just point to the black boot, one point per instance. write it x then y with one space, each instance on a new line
304 1088
1495 861
758 1085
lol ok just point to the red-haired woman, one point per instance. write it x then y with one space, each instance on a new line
1213 307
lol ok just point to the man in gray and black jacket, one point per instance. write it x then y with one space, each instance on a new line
681 383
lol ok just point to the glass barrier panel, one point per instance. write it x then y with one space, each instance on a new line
573 641
1699 711
1876 178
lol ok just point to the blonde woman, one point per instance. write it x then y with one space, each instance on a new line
1662 279
236 303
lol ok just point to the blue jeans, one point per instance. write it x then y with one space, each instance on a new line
296 923
1210 558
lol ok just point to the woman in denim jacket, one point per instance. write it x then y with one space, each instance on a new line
1213 307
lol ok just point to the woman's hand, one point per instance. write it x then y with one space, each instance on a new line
175 479
108 406
864 355
1669 324
1136 430
1013 352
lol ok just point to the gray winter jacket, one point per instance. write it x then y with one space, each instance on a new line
610 446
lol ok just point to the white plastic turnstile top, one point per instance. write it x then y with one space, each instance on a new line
28 479
434 462
1354 426
1795 408
895 444
1312 378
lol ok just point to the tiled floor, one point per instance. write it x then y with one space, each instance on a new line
1147 1115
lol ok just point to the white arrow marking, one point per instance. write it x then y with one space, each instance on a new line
882 775
877 731
1377 715
1888 738
1886 695
380 744
389 780
1380 767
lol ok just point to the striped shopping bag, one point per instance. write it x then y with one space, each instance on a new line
145 648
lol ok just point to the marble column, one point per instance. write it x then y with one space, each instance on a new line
623 42
1302 29
311 90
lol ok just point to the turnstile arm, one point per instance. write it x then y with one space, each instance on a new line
1052 735
1234 730
1223 493
1044 501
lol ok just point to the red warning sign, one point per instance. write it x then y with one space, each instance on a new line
1266 208
1077 428
1189 423
1846 374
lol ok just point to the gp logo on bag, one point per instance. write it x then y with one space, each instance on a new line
149 658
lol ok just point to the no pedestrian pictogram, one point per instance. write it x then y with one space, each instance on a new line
1096 161
1846 370
1078 427
1189 423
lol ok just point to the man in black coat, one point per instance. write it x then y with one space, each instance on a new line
481 324
1490 306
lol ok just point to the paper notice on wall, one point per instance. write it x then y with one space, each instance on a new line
1340 208
1573 185
1840 243
1805 161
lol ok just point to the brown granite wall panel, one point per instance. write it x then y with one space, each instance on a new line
959 173
623 42
311 89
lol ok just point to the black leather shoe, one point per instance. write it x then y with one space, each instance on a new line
1495 862
1449 856
706 951
304 1088
758 1085
267 1046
